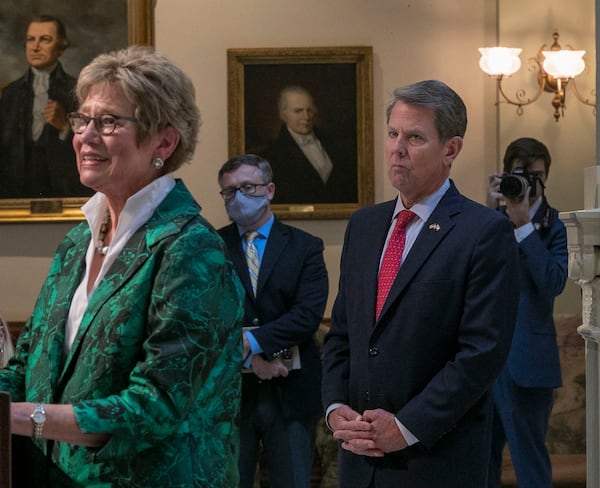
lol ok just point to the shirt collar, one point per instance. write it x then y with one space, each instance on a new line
138 208
263 231
302 139
44 73
425 207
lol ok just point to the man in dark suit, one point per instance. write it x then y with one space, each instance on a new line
308 166
36 153
524 391
286 293
406 383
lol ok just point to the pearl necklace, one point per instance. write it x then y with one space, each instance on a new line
100 247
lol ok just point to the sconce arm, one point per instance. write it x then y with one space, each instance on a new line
521 96
580 97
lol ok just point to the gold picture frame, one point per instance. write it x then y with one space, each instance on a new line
140 30
340 81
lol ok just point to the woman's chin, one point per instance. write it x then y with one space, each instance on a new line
88 180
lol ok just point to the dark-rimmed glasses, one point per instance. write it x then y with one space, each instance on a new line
246 189
105 124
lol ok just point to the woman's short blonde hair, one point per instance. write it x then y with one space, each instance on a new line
161 92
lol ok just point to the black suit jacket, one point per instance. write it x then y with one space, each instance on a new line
296 181
440 341
291 296
18 151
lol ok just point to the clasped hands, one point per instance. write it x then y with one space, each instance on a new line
373 433
265 370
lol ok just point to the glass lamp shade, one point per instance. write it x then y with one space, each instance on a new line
500 61
564 63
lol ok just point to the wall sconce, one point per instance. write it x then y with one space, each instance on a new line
556 69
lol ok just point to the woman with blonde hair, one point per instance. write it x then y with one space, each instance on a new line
127 373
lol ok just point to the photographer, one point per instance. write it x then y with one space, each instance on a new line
524 391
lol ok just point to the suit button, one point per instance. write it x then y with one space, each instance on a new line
255 321
373 351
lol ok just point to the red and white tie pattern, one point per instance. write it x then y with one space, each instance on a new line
392 258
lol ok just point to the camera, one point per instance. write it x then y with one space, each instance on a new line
514 185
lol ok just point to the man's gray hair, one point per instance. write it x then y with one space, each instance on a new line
450 113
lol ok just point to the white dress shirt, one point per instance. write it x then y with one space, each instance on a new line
138 209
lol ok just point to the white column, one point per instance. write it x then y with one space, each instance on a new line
590 331
583 235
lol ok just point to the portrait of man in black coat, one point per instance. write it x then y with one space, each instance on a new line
310 166
36 154
52 41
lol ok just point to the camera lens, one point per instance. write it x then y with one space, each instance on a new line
513 186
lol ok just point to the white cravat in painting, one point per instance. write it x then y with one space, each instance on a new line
315 153
41 82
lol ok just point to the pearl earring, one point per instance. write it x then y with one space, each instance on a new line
158 163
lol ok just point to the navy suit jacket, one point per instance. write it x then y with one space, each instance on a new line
533 361
441 339
296 181
291 296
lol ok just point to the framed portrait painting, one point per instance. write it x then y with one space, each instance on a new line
309 112
91 28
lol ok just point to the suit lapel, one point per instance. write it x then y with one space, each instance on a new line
372 256
276 243
116 278
433 232
67 280
171 215
236 254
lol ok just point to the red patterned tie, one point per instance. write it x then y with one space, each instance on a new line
392 258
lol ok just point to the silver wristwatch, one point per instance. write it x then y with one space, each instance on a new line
38 417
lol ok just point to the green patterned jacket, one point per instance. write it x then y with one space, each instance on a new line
155 363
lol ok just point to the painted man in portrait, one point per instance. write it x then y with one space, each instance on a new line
309 166
36 154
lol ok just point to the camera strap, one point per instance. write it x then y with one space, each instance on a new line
544 218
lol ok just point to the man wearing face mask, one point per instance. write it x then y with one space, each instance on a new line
284 275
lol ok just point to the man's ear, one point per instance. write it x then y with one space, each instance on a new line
452 147
270 191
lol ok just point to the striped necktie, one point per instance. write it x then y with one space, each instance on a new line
392 258
252 259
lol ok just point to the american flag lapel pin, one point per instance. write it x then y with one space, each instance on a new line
434 227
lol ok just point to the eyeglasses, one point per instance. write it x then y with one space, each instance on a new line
105 124
246 189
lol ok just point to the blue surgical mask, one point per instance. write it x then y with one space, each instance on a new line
246 210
